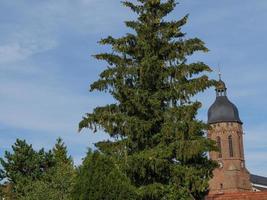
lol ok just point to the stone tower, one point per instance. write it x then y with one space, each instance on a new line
226 131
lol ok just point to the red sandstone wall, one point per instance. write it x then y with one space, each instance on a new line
233 175
239 196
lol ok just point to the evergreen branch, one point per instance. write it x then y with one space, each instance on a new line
136 8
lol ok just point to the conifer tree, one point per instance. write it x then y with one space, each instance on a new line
61 177
23 166
99 178
158 141
60 153
58 181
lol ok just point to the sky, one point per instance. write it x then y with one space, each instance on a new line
46 67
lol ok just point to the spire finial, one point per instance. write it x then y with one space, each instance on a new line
219 71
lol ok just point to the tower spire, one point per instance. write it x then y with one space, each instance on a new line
219 73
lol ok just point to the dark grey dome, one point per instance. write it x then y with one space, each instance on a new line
222 110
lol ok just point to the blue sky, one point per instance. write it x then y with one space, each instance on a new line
46 66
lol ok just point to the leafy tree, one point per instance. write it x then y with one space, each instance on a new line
24 165
100 179
39 189
58 182
38 174
157 139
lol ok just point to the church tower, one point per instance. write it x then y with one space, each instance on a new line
226 130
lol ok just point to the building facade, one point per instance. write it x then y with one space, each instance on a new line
232 176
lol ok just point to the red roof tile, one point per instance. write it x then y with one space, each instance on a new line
239 196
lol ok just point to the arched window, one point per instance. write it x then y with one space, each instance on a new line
230 142
219 145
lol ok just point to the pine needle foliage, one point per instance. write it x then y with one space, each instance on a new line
99 178
158 140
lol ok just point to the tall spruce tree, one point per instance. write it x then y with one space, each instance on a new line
158 142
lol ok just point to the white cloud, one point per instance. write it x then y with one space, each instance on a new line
12 52
43 107
20 50
43 100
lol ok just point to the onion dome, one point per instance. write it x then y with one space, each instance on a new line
222 110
